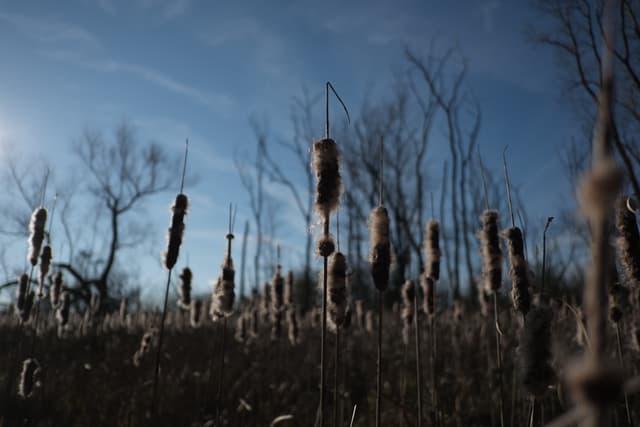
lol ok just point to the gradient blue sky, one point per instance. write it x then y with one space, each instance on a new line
199 69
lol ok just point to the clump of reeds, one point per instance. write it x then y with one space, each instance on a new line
491 252
186 276
36 234
56 289
519 271
628 241
29 378
45 265
176 231
265 303
408 294
195 312
145 347
241 328
123 310
432 249
380 253
536 372
337 289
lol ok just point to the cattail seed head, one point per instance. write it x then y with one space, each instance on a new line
337 290
176 231
535 352
519 271
21 296
25 313
276 325
185 288
195 312
224 294
62 312
145 347
429 289
628 242
326 163
45 265
491 252
432 249
408 296
29 378
380 255
265 303
36 234
293 330
241 332
288 289
618 301
277 291
56 289
326 246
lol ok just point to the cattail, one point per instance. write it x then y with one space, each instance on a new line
36 234
185 288
276 325
241 328
29 378
484 298
223 293
195 312
491 252
628 242
432 249
288 289
360 315
56 289
145 347
28 305
293 330
94 304
254 322
326 246
326 163
535 352
176 230
380 256
337 290
368 321
408 295
123 310
519 271
618 301
45 265
277 291
21 297
62 312
428 288
265 303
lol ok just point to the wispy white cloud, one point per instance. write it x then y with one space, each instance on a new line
166 10
49 31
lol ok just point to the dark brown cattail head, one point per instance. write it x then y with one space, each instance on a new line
618 301
429 290
25 313
29 378
380 247
325 246
408 295
326 163
519 271
62 313
288 289
277 291
21 294
45 266
36 234
337 290
224 294
535 352
56 289
176 230
491 252
628 242
432 249
185 288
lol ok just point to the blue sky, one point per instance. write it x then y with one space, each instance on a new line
199 69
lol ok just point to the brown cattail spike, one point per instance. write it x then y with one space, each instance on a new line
535 352
224 295
408 294
337 289
36 234
185 288
326 163
491 252
628 242
288 289
277 291
176 230
195 312
519 271
29 378
56 289
380 255
428 288
21 296
432 249
45 265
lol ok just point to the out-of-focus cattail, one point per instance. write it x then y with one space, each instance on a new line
581 321
337 290
360 315
56 289
484 298
618 301
628 242
408 294
145 347
223 293
380 256
429 290
288 289
241 328
491 252
25 313
29 378
45 266
62 313
21 295
176 230
326 163
368 322
326 246
276 325
123 310
635 338
94 304
519 271
535 352
254 322
277 291
265 303
36 234
292 323
432 249
195 312
185 288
